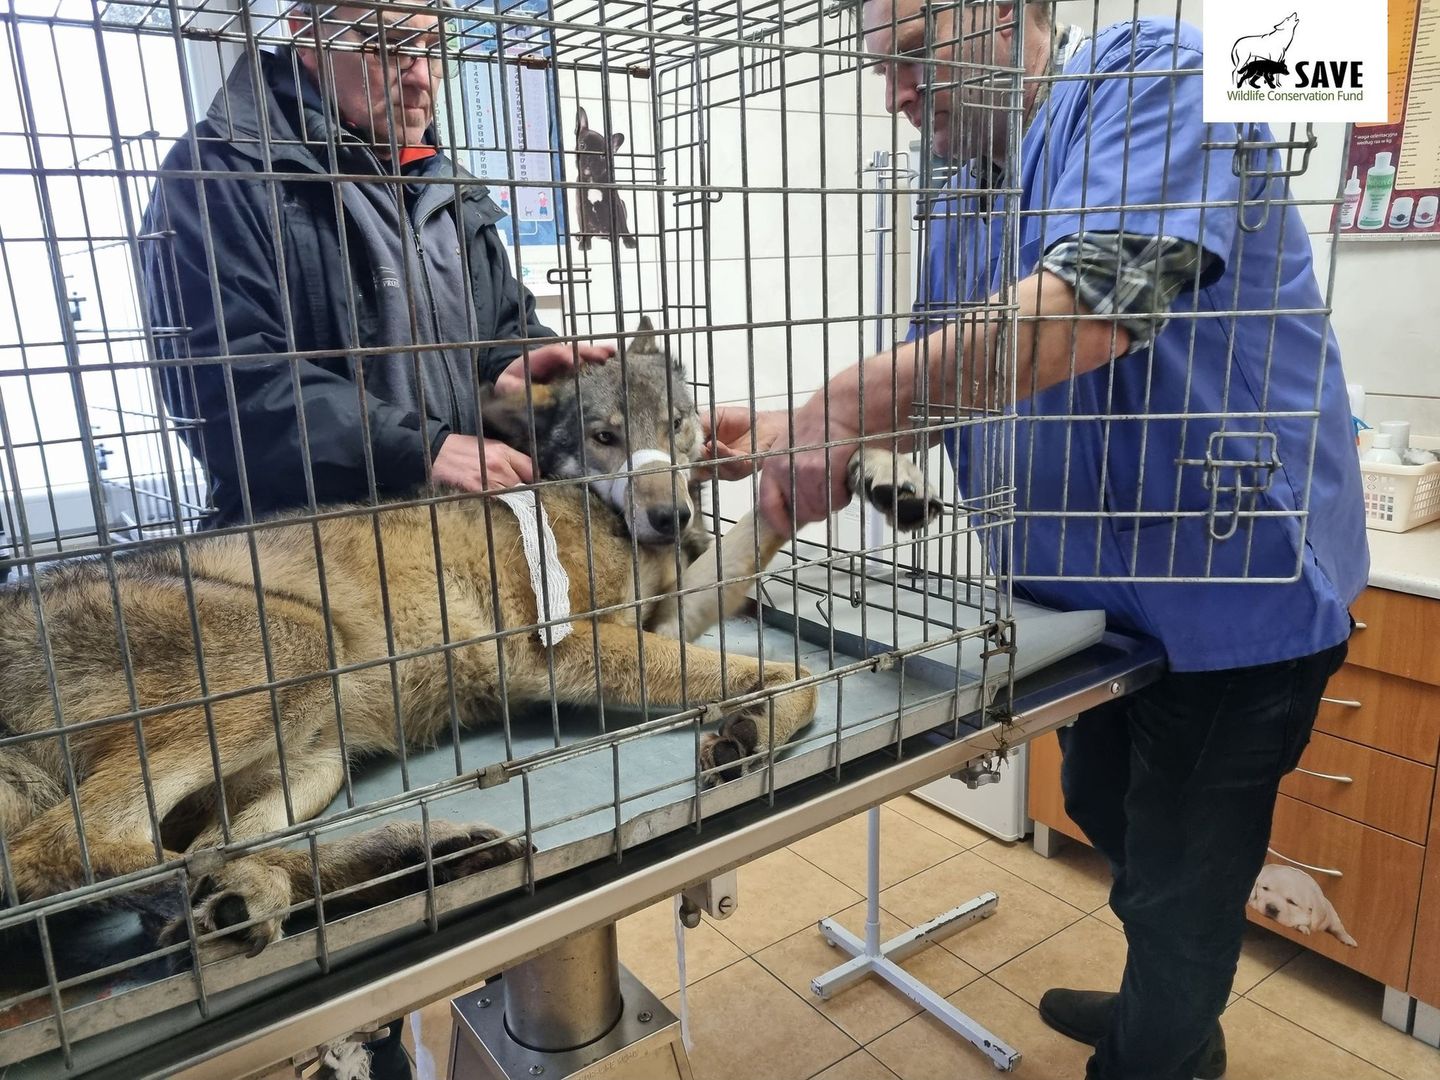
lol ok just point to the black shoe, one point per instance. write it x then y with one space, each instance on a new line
1084 1015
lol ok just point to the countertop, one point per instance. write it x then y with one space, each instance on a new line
1407 562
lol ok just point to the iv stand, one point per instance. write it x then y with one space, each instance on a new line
871 956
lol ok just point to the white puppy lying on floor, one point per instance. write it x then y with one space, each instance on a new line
1293 898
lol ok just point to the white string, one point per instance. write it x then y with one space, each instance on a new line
680 964
552 589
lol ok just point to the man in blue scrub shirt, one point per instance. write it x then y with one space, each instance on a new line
1140 295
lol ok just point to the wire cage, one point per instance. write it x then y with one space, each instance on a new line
213 698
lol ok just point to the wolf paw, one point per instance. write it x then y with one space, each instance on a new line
896 487
245 894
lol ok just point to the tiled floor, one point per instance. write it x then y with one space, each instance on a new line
1293 1015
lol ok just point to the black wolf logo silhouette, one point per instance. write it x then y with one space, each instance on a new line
1262 56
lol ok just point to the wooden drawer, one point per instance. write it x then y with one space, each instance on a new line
1046 800
1395 715
1399 634
1391 793
1374 888
1425 959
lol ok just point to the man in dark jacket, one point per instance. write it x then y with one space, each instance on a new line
349 282
357 317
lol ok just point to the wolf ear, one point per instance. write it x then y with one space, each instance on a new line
582 122
644 341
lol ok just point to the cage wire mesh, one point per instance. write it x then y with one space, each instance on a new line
226 720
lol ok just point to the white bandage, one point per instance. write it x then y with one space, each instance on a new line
613 488
552 587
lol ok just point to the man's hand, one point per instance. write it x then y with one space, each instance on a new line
733 437
812 496
458 464
549 361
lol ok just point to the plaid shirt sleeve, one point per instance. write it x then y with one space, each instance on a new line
1134 278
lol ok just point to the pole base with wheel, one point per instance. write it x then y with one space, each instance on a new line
869 956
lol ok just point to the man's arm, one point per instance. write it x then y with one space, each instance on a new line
240 311
1095 298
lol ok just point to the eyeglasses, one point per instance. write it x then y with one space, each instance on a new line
400 45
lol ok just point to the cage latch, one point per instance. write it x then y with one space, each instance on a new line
1239 466
718 897
492 776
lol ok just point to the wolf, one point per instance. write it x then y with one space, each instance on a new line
319 611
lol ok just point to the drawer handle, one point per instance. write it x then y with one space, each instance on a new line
1325 776
1345 703
1305 866
1360 625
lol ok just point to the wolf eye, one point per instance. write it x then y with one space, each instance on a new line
604 438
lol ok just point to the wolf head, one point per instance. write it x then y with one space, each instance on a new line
624 425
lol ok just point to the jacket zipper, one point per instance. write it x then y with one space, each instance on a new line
435 320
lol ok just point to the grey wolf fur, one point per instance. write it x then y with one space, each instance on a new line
606 215
582 427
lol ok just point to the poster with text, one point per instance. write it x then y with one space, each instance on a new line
1392 170
512 122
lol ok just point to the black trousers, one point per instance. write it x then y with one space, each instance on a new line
388 1060
1176 786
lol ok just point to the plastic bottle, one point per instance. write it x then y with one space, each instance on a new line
1380 452
1352 199
1379 185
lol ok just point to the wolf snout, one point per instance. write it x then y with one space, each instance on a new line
668 520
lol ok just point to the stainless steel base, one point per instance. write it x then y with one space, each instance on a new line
869 956
643 1045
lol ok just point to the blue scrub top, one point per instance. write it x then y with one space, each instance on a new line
1140 144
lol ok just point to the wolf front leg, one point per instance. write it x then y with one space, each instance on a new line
629 661
715 586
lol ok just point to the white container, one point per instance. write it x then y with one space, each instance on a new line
1400 212
1379 186
1352 201
1399 432
1399 498
1425 211
1381 451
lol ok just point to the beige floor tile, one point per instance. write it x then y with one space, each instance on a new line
860 1065
947 825
647 948
427 1039
1262 954
1107 915
1087 955
1026 914
1343 1007
746 1023
906 848
1264 1046
1079 875
924 1049
780 894
868 1009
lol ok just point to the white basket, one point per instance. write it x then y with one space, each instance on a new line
1401 497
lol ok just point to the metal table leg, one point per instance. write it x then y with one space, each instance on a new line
570 1013
872 957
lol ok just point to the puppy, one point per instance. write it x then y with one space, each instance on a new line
1294 899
